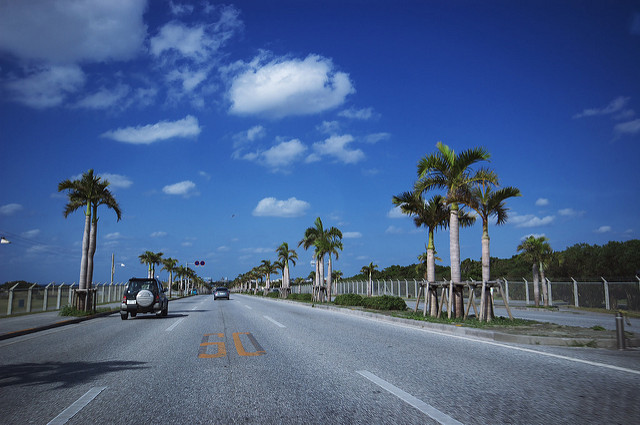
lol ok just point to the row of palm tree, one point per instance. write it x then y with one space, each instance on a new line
88 193
153 259
537 251
463 187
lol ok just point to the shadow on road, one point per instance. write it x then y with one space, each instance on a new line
64 374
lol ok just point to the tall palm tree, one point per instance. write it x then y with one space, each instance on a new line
170 265
536 250
268 268
432 214
151 259
87 193
452 172
323 241
488 203
368 271
332 247
286 255
103 197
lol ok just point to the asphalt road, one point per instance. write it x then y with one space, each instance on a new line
255 360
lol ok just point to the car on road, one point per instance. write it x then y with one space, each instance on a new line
144 295
221 292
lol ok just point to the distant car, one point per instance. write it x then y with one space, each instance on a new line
194 292
144 295
221 292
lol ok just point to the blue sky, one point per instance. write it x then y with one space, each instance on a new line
226 129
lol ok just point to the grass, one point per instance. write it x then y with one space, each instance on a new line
470 322
68 310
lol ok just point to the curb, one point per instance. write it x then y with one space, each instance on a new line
608 343
14 334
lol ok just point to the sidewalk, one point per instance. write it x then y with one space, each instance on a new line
13 326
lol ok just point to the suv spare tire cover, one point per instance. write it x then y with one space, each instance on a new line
145 298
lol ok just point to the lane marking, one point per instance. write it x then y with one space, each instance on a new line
525 350
172 327
425 408
77 406
240 348
202 351
248 307
275 322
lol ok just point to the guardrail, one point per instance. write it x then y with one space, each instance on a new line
52 297
602 294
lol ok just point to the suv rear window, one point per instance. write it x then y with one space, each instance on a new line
140 284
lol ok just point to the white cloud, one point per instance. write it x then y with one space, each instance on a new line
256 132
279 157
336 147
72 31
570 212
285 87
376 137
616 105
329 127
105 98
113 236
116 180
10 209
159 234
393 230
357 114
204 175
223 248
529 220
47 87
630 127
396 212
351 235
603 229
271 207
186 127
184 188
31 233
541 202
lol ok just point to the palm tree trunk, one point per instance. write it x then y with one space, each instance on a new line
486 311
454 254
536 289
329 282
543 282
91 252
82 280
369 286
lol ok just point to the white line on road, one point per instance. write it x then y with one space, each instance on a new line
526 350
274 322
425 408
170 328
248 307
70 411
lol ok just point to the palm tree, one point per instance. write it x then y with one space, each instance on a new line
268 268
103 197
170 265
286 255
432 214
331 247
87 192
324 241
536 250
152 259
368 271
489 203
452 172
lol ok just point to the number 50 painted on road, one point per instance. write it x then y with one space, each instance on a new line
222 350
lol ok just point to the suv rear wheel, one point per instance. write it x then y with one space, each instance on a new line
124 315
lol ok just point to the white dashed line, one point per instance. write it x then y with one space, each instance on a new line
275 322
170 328
425 408
70 411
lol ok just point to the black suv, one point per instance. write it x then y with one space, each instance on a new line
144 295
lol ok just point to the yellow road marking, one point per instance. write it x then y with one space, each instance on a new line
202 352
240 348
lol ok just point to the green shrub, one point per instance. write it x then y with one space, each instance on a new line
384 302
348 299
300 297
273 294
